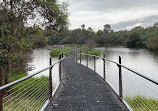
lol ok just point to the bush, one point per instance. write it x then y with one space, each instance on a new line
134 40
152 43
93 52
55 52
16 74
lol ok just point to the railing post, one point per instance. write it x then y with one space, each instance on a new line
76 56
62 55
62 63
80 56
50 79
87 60
120 79
60 67
104 76
1 92
94 64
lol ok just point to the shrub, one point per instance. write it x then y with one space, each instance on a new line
93 52
152 43
55 52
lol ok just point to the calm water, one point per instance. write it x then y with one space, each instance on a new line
40 61
141 60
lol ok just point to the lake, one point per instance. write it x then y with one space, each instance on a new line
141 60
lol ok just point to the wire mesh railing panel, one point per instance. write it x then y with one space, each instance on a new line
139 93
27 95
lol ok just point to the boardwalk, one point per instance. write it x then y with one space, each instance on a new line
81 89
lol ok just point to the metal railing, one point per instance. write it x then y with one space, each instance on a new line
134 102
29 93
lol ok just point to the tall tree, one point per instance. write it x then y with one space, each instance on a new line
83 26
15 37
107 29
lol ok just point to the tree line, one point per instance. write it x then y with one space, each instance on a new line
136 37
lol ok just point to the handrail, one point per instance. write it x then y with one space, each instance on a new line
139 74
27 77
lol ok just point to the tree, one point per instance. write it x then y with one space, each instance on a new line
156 24
134 40
83 26
90 29
13 16
107 29
15 37
152 43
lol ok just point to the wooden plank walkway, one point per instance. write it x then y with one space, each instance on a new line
81 89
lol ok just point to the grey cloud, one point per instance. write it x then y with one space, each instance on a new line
104 5
146 21
102 11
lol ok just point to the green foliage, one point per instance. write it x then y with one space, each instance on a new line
87 50
134 40
16 39
94 52
136 37
55 52
15 75
83 48
139 103
152 43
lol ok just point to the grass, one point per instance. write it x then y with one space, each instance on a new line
94 52
139 103
30 94
83 48
55 52
86 50
16 74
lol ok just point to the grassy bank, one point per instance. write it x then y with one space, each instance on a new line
93 52
86 50
16 74
139 103
55 52
30 94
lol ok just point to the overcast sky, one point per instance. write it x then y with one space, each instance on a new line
120 14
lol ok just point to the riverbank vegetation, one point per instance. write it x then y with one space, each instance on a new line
55 52
91 51
139 103
136 37
18 99
152 43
